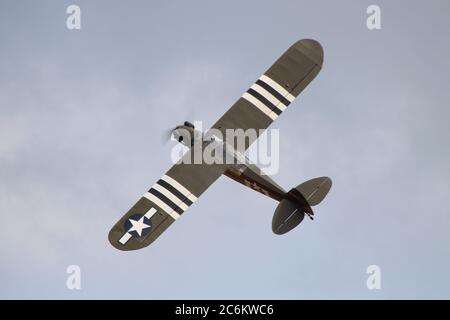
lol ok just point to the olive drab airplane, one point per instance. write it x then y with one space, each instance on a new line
184 183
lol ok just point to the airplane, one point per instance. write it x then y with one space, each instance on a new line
185 182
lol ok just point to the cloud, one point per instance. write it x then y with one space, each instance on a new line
80 122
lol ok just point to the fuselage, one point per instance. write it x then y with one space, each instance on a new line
241 169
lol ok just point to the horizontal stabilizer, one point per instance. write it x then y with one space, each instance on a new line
315 190
287 216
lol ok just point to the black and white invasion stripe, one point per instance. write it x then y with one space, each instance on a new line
269 97
170 196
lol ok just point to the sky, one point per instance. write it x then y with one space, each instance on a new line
82 114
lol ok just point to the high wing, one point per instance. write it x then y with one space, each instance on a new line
180 187
164 203
275 90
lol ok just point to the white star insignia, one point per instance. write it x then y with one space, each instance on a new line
138 226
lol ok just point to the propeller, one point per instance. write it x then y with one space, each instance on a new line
167 134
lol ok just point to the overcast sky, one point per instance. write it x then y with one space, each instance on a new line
82 114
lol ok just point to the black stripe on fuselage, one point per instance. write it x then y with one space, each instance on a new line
175 192
274 92
166 200
261 98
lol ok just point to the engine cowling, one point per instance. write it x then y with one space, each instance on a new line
185 134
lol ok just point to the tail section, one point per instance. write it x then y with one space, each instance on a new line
314 190
298 202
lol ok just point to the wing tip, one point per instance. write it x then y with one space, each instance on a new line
312 49
114 237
